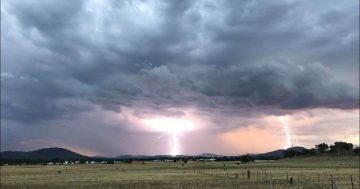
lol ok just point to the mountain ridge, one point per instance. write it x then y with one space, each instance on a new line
280 152
62 153
44 153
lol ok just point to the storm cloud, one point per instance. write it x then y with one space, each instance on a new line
62 59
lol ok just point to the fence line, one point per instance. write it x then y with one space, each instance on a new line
286 179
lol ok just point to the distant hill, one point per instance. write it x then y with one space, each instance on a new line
64 154
279 153
45 154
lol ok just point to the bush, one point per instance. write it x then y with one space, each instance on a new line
357 150
309 152
246 158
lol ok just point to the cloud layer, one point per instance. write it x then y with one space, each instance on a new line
64 59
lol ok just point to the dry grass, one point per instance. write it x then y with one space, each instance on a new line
311 172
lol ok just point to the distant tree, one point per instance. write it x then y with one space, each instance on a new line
340 147
246 158
322 148
127 161
357 150
344 145
309 152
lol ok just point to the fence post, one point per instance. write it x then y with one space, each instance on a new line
318 183
332 182
248 174
352 184
298 182
265 174
287 177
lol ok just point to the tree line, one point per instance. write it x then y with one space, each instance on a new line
339 148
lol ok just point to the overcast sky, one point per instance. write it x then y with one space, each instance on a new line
84 75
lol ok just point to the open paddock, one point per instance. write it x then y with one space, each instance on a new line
298 173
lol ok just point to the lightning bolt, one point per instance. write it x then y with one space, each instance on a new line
173 142
289 136
175 146
173 128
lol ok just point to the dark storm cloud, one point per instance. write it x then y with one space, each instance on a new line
281 85
73 56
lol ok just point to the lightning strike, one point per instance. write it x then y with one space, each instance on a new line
290 137
173 128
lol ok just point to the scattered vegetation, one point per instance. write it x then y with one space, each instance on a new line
334 166
321 171
339 148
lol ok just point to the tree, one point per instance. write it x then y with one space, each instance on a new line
322 148
129 161
340 147
357 150
309 152
246 158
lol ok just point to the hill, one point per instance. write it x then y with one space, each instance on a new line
64 154
277 154
45 154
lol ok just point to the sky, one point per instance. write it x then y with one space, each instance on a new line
178 77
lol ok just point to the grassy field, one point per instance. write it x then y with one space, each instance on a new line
305 172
